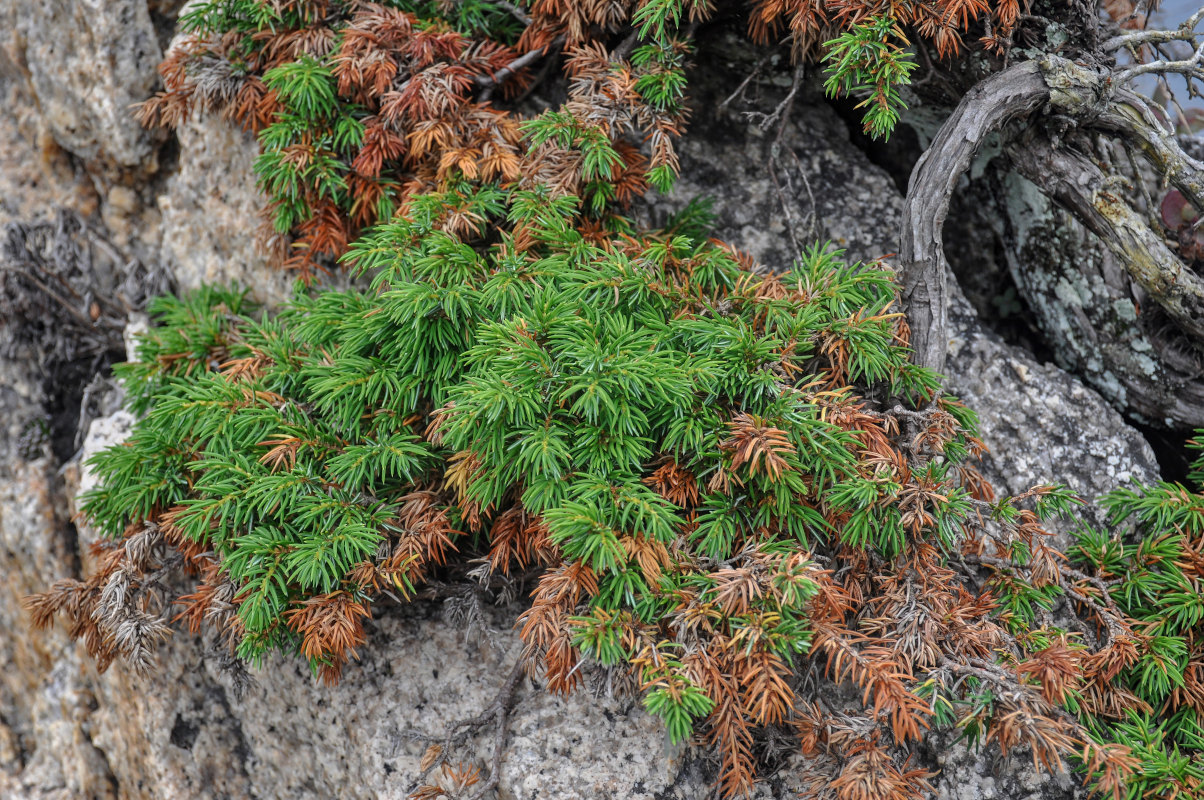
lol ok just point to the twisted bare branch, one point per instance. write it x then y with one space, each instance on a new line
1091 99
1012 93
1132 41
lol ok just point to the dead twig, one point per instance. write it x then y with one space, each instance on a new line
497 713
489 82
744 83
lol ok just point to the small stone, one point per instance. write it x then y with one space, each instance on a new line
123 200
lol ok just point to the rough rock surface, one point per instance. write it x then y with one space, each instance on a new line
36 542
214 183
1041 424
819 189
67 732
87 62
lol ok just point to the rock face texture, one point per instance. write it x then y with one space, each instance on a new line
1041 424
87 61
68 732
214 183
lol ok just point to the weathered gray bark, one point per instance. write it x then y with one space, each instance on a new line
1009 94
1169 392
1162 382
1075 183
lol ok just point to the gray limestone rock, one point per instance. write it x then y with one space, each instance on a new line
1042 425
87 61
210 208
820 188
976 774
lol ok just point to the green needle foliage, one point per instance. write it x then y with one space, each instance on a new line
716 478
671 438
558 373
865 61
360 106
1152 566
